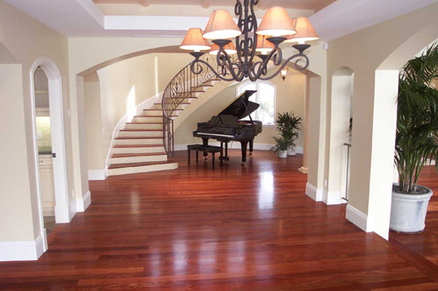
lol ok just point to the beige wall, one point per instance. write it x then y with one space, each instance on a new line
27 41
93 119
289 97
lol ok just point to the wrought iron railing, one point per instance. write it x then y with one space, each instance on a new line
180 89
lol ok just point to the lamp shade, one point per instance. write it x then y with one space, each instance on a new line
194 41
264 46
229 48
221 26
305 31
276 23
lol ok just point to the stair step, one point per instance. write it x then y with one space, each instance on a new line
182 103
141 133
141 129
138 168
138 140
138 145
159 110
151 116
136 155
131 165
129 158
136 122
191 97
143 137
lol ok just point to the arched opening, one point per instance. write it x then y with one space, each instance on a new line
57 151
340 136
385 114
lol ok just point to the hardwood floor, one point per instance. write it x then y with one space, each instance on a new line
232 228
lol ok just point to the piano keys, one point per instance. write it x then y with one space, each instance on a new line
227 125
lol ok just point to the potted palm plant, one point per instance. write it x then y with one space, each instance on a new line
288 126
281 146
416 141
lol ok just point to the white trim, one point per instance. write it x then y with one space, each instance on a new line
97 175
83 203
236 145
332 198
22 250
359 218
72 209
53 75
314 193
122 122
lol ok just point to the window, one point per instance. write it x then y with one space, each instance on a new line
265 96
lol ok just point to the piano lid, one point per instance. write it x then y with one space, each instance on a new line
240 107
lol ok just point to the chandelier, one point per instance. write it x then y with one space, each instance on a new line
237 61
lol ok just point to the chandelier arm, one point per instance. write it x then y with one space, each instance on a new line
238 10
254 27
226 61
197 61
297 66
263 68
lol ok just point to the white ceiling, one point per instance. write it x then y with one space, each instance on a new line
83 18
264 4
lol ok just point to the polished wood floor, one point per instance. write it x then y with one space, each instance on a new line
232 228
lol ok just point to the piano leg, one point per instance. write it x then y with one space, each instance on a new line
251 146
243 144
226 152
205 143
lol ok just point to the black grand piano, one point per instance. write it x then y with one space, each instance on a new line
226 126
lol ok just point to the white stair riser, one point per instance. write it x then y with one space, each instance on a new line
148 119
144 126
140 133
128 160
144 169
146 150
138 141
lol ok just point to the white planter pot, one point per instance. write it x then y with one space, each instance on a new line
282 154
291 151
408 211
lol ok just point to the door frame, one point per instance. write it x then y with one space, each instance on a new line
62 212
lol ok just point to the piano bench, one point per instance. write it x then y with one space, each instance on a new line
204 149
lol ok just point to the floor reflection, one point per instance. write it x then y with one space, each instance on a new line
266 190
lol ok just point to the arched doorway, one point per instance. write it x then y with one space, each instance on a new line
340 132
61 211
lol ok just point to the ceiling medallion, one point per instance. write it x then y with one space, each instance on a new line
238 61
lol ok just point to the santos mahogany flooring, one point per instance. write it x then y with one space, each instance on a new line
232 228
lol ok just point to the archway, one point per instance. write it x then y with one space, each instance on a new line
339 136
62 213
384 119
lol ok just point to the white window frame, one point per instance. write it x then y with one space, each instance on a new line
239 91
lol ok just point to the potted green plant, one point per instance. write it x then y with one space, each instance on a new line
288 126
281 146
416 141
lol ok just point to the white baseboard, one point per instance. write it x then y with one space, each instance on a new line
21 250
83 203
359 218
236 145
48 211
97 175
332 198
313 192
63 213
73 209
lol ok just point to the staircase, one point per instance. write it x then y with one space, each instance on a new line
146 143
